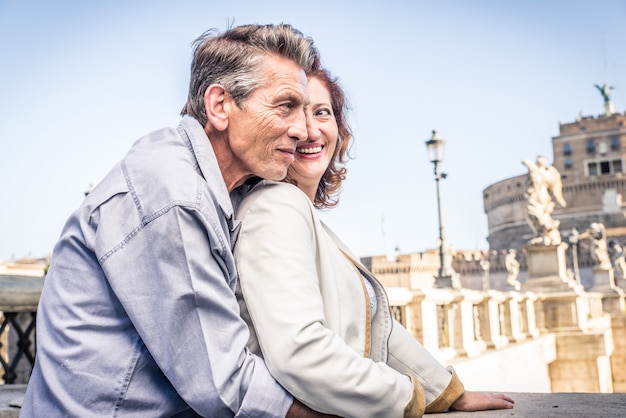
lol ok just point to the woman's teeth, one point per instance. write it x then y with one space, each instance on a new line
311 150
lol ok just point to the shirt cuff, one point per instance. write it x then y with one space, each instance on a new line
265 397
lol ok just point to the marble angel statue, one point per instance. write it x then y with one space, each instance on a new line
543 188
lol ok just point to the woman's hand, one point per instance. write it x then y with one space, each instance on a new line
481 401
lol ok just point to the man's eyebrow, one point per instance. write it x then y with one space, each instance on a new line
297 98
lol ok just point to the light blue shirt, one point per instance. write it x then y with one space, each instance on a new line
138 315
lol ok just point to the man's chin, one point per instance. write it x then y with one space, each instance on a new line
276 175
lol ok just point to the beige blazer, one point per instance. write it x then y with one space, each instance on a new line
304 300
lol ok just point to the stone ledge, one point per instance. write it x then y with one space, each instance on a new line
10 398
527 405
554 405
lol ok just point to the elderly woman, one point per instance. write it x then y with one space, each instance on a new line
316 314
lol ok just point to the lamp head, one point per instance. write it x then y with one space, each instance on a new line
435 147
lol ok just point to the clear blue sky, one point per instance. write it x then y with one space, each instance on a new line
81 81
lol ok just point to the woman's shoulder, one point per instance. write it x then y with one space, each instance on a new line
275 193
279 188
264 186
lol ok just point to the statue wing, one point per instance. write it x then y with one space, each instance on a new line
556 186
530 165
533 171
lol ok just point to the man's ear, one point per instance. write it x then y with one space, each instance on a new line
215 98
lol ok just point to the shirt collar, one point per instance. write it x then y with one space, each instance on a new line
202 149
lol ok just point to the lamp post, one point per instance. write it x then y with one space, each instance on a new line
446 275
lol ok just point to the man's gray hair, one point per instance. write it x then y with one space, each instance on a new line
232 59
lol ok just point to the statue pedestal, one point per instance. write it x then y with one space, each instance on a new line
603 280
451 281
566 305
547 270
613 298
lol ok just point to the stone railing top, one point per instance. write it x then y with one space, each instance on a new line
554 405
20 293
527 405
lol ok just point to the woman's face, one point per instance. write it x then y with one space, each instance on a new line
313 155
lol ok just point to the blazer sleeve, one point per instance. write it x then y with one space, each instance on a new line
276 261
441 385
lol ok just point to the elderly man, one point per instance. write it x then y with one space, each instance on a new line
138 315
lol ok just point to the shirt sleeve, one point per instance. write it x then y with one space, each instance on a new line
176 285
276 260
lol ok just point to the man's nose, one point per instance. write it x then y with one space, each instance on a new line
299 128
313 132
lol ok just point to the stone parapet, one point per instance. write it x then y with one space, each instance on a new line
583 362
11 397
527 405
618 359
553 405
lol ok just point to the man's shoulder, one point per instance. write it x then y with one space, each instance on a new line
160 168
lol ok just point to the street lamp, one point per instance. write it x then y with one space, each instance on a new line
446 276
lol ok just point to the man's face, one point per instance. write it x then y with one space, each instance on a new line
264 131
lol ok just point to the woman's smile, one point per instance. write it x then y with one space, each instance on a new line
310 150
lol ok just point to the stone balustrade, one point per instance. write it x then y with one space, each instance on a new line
468 322
459 326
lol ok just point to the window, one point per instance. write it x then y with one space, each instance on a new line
591 146
603 167
568 163
567 149
617 166
615 143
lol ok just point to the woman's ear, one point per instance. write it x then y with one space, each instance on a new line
215 98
